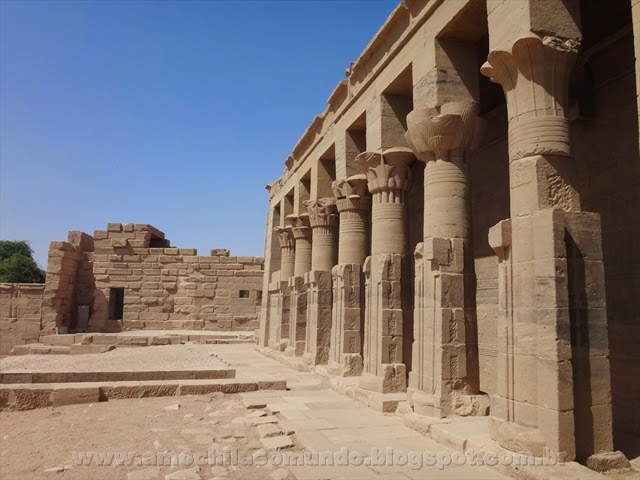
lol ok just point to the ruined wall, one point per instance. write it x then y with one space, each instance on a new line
171 288
20 314
68 282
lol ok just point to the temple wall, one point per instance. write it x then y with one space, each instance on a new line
560 152
171 288
20 314
604 141
490 203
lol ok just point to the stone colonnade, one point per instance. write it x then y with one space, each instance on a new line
346 272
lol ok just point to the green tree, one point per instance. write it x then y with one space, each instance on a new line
17 264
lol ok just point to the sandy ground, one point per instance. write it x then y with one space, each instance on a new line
164 357
34 441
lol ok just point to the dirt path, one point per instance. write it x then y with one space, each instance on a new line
34 441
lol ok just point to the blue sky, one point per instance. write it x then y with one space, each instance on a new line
175 114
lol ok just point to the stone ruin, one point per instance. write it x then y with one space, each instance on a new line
129 277
457 233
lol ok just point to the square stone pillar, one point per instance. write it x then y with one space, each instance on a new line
319 304
347 320
279 305
384 370
553 371
297 317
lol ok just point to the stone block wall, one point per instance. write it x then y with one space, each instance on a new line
20 314
130 277
171 288
69 280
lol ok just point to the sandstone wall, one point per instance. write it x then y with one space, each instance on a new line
489 167
172 288
605 144
20 314
69 280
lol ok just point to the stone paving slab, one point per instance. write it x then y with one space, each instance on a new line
326 421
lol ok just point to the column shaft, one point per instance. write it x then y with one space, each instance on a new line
386 305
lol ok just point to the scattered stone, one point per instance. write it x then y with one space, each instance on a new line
188 415
188 474
238 420
156 444
175 406
608 462
281 442
146 474
262 420
57 469
257 413
269 430
252 403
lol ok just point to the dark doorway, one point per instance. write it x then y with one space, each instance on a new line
116 303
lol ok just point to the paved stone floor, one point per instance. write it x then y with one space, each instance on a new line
325 421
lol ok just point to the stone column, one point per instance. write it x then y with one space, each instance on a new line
324 225
445 377
298 291
280 301
287 259
388 177
554 388
347 318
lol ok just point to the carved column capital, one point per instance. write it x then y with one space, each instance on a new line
444 133
285 237
388 173
534 74
322 212
351 193
300 225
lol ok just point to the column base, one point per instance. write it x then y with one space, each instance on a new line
392 379
316 358
517 438
295 350
352 366
460 404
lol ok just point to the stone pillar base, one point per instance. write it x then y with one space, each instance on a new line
459 404
295 350
352 366
517 438
393 379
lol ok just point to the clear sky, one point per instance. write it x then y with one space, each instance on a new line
175 114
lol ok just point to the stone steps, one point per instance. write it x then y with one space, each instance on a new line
86 343
28 396
34 376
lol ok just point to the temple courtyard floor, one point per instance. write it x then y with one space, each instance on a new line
240 426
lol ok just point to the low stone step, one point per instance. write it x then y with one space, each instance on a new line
80 349
39 349
33 376
28 396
